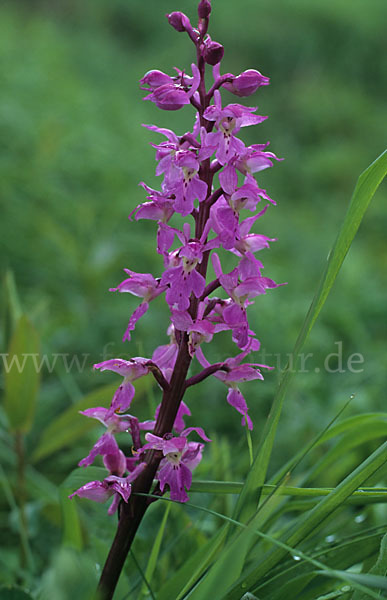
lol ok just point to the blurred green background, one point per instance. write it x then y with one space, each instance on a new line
72 152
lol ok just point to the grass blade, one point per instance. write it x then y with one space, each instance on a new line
379 568
154 555
365 495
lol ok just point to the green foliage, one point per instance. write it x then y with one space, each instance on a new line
71 575
22 376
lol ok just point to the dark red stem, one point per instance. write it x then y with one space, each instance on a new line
211 287
157 374
206 373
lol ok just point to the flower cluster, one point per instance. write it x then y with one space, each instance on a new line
208 202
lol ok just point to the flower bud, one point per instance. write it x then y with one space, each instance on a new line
179 21
204 9
154 79
246 83
213 53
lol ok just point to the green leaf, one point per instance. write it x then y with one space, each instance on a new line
216 487
154 555
82 475
71 526
380 567
366 187
361 434
304 525
291 587
21 376
70 425
357 422
365 495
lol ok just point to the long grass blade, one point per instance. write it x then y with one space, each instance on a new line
154 555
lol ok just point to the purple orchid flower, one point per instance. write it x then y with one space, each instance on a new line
119 487
190 187
235 374
212 52
155 79
180 458
225 223
179 21
255 159
201 330
130 370
115 463
165 356
245 196
106 445
239 289
143 285
248 195
184 279
180 166
171 95
232 235
246 83
160 208
228 121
